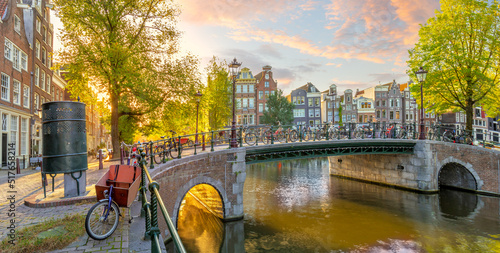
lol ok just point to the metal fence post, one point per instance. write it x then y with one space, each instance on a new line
179 147
212 142
151 155
350 126
300 133
241 136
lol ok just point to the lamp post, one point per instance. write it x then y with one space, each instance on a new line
332 93
421 75
198 97
233 70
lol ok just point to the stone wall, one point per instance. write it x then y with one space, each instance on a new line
420 171
224 170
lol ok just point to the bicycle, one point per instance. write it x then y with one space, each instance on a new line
117 188
160 152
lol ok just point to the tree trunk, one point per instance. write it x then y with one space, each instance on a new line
115 131
469 114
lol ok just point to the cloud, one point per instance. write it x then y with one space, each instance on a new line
269 50
386 77
233 13
309 5
337 65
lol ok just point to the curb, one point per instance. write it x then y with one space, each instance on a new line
32 202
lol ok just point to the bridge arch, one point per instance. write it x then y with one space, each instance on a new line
455 173
200 180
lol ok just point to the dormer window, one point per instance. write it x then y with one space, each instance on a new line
17 24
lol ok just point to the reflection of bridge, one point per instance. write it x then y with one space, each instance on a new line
410 164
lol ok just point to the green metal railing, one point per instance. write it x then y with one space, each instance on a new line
151 210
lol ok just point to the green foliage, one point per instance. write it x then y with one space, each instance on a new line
340 114
218 102
461 50
126 51
279 109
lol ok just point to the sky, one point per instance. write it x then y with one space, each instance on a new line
355 44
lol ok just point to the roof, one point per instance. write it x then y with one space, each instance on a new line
3 8
308 87
403 86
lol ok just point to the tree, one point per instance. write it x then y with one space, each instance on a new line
340 114
125 49
460 49
218 94
279 109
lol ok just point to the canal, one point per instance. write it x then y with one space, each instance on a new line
296 206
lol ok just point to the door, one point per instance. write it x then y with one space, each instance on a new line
4 149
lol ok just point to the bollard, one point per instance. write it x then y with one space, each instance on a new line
203 139
121 155
100 160
18 166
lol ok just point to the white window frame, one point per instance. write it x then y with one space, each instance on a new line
37 76
47 86
17 24
24 61
23 146
38 24
42 80
14 121
5 86
37 49
16 92
8 49
26 96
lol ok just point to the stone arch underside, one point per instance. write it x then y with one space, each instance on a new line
454 174
212 204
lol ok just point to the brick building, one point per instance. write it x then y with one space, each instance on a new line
245 98
307 101
265 86
26 77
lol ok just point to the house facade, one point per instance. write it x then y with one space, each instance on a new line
265 86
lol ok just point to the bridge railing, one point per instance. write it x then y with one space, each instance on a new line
159 151
151 209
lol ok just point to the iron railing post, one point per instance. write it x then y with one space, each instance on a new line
179 147
154 230
212 142
350 126
327 137
272 135
300 133
151 155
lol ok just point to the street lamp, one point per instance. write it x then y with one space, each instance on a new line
198 97
234 67
332 93
421 75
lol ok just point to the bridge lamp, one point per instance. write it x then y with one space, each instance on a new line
421 75
234 68
198 98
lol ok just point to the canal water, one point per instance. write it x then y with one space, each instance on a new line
296 206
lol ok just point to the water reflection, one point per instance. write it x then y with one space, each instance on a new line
295 206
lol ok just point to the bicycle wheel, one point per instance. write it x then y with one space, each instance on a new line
448 137
250 139
293 136
158 155
173 151
100 224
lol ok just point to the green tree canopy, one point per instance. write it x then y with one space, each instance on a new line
127 50
218 92
460 48
279 109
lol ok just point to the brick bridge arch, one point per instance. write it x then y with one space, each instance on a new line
417 170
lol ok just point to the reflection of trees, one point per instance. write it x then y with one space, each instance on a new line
198 227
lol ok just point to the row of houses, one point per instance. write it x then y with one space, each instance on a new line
27 79
385 103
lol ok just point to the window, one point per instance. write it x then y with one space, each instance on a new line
42 80
267 93
16 61
37 101
266 84
250 119
38 24
26 96
245 89
391 102
251 103
311 112
24 137
299 113
4 122
245 75
251 88
310 102
16 88
245 103
48 84
37 76
317 112
44 56
238 88
37 49
5 86
397 102
49 39
378 103
44 34
7 49
266 107
272 92
261 94
316 101
378 95
261 107
397 114
348 98
13 129
17 24
383 103
478 113
378 114
300 100
391 115
24 61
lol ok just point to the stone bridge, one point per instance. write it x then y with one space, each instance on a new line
421 166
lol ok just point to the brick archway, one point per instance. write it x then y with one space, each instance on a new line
456 173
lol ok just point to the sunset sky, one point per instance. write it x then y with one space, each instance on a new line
353 43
